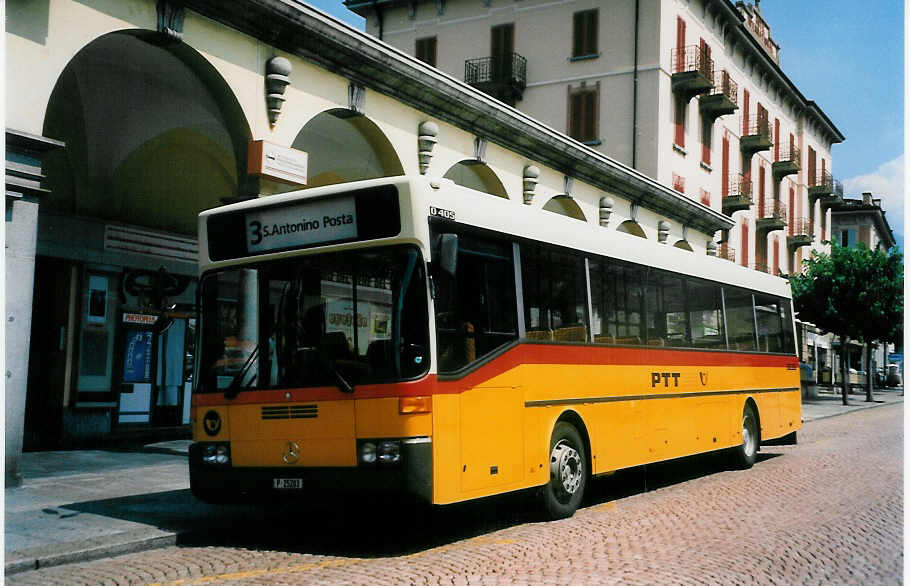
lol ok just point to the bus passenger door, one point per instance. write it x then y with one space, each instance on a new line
476 320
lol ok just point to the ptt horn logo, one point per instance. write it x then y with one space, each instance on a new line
211 423
703 377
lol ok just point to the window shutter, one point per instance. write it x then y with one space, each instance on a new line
725 167
744 245
745 112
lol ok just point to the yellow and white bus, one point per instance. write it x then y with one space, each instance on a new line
411 335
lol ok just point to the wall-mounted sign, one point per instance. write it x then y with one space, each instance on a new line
139 318
277 162
326 220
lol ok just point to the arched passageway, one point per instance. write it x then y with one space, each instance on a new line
566 206
478 176
344 146
153 134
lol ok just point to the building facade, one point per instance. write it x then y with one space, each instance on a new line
123 128
689 92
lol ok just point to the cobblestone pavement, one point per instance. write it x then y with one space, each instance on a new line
828 511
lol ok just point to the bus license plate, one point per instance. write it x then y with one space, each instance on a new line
287 483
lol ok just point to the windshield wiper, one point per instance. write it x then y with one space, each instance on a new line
236 383
342 383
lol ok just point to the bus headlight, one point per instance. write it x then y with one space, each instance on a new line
384 452
389 452
216 454
368 453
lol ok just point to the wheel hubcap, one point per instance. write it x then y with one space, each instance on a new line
748 435
566 467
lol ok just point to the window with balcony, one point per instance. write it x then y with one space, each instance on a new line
426 50
584 34
583 113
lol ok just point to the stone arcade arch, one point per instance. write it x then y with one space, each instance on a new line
566 206
345 146
478 176
153 134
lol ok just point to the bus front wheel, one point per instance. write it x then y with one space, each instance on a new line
746 452
568 472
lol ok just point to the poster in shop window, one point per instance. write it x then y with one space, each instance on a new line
137 356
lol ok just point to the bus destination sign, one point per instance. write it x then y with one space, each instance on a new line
328 220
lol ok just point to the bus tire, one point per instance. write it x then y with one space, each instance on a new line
745 453
568 472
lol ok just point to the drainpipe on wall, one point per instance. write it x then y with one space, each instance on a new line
379 19
635 91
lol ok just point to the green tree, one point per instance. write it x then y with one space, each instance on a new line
854 292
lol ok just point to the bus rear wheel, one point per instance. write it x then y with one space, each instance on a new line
568 472
745 453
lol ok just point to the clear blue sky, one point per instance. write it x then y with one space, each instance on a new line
848 57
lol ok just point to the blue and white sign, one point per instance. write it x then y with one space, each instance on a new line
137 356
310 223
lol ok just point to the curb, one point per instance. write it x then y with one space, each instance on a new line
855 409
83 551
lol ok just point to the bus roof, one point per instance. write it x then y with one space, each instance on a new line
530 222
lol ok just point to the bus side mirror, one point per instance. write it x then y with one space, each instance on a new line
448 253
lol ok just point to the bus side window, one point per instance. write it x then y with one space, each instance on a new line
668 323
706 316
770 332
740 319
555 294
475 309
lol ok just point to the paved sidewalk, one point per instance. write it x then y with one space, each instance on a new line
89 504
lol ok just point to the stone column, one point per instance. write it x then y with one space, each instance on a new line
24 153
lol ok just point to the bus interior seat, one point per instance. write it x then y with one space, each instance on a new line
604 339
571 334
629 341
539 335
656 342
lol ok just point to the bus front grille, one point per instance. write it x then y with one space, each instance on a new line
290 412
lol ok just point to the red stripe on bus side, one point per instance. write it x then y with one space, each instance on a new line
521 354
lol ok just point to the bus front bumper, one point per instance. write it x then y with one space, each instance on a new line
214 483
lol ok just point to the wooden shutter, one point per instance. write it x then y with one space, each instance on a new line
813 180
761 190
706 141
680 44
679 136
776 139
426 50
792 210
583 115
725 167
745 112
584 37
744 245
776 269
502 45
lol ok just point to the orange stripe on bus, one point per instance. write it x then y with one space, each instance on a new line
519 355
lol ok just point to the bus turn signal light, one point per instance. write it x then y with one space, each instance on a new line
415 404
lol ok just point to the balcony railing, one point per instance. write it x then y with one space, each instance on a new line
720 100
756 135
801 227
726 252
760 264
773 209
824 186
738 194
725 86
787 162
692 70
772 216
504 76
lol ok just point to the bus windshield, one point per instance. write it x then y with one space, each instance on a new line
334 319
